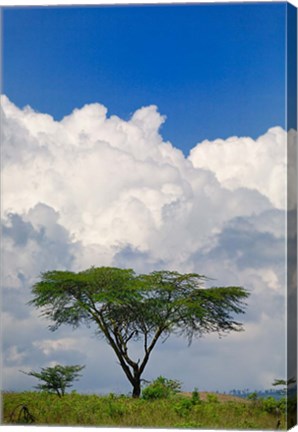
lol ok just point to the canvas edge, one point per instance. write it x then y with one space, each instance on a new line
291 252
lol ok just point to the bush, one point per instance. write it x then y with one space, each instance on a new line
253 397
270 404
212 398
183 407
195 397
161 388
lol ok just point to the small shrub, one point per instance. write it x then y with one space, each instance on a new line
195 397
161 388
270 404
212 398
253 397
183 407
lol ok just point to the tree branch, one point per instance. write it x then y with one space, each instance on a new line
150 348
99 319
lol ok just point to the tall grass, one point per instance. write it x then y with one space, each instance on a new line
93 410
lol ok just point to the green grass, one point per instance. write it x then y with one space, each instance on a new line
93 410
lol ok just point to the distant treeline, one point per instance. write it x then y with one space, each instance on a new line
276 394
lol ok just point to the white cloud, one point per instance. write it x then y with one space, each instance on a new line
98 190
49 346
243 162
14 356
114 182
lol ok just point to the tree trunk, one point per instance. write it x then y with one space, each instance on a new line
136 393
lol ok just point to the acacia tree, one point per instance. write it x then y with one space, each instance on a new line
127 308
57 378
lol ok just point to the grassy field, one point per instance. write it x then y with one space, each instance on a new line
179 411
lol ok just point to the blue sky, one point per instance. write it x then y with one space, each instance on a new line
213 70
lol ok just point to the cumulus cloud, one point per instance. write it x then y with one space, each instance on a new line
113 182
93 189
260 164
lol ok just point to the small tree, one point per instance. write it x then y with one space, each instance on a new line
127 307
56 379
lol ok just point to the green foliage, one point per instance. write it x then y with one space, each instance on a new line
183 407
286 384
283 403
116 409
138 303
282 382
106 411
274 406
253 397
57 378
195 397
271 405
161 388
289 401
212 398
127 307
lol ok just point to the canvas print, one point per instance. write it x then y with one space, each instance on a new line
149 216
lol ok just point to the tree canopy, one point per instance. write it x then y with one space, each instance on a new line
127 307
